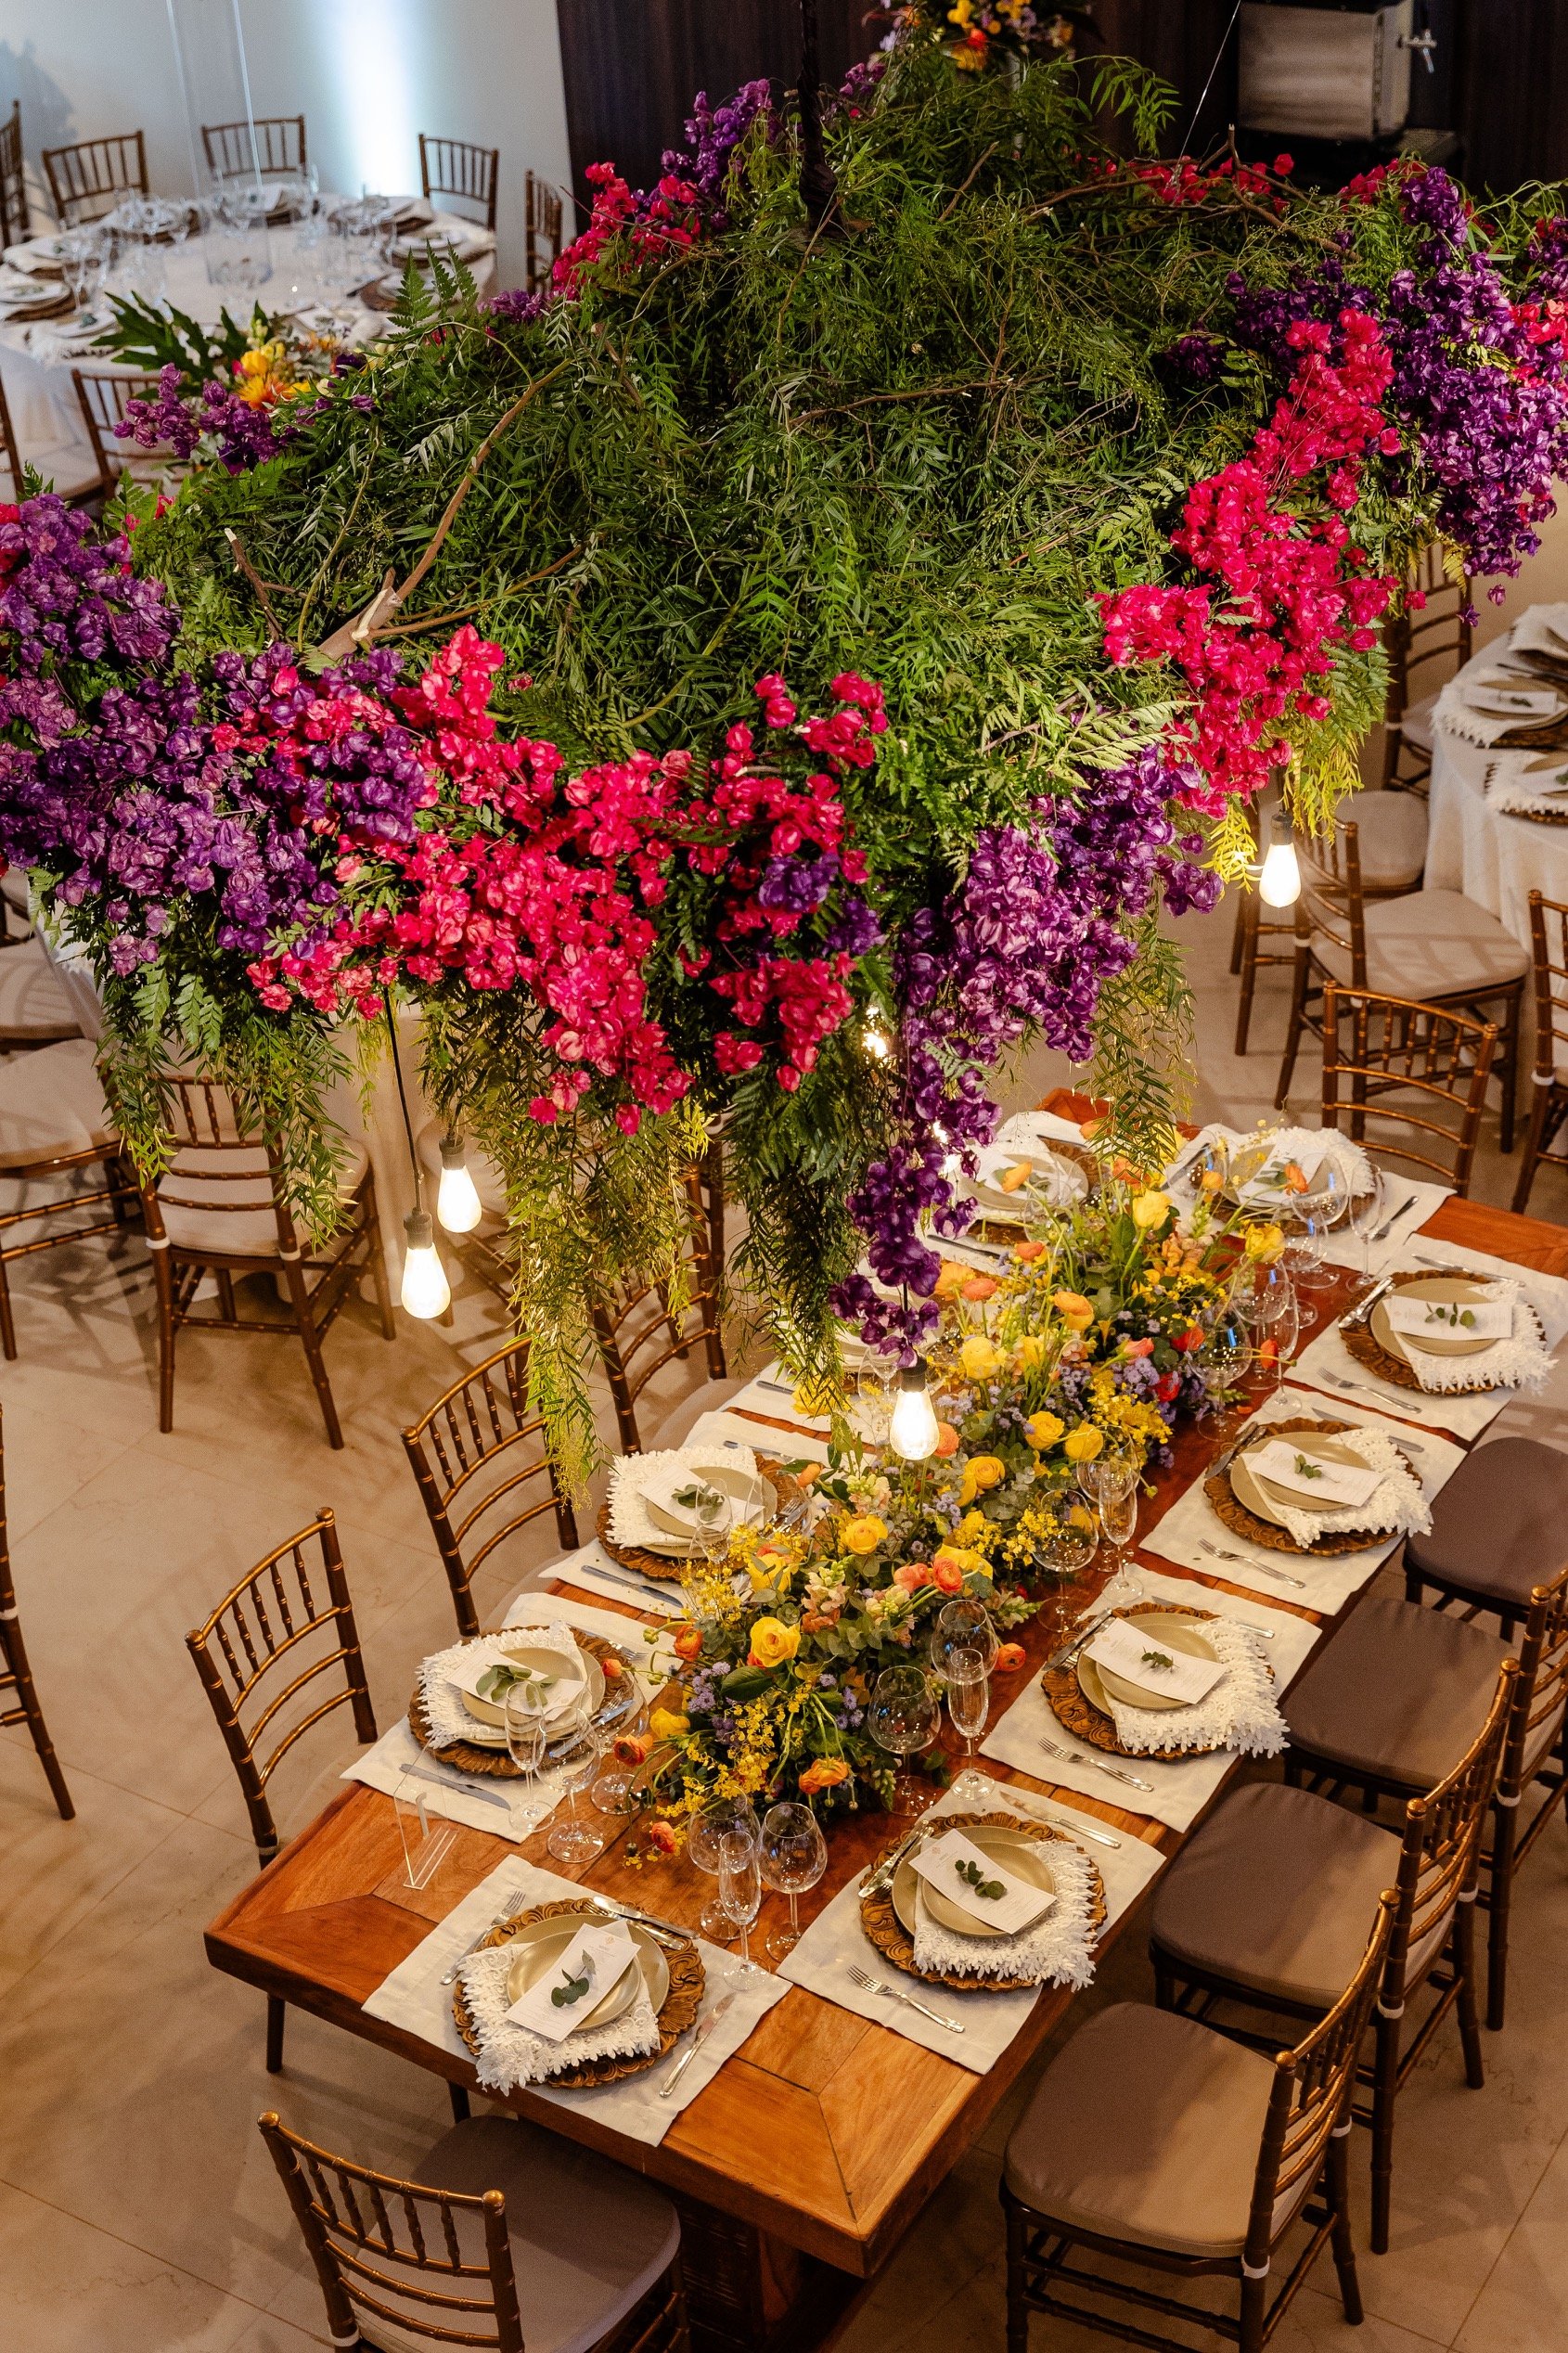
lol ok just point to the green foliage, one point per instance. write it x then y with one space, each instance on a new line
151 336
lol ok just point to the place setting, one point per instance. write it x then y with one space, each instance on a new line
667 1510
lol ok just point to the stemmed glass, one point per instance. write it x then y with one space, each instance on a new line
1111 1483
794 1856
740 1893
962 1624
902 1717
613 1786
1224 1360
1063 1556
875 1389
703 1839
1284 1330
577 1756
1366 1211
715 1515
522 1714
965 1671
1330 1200
81 257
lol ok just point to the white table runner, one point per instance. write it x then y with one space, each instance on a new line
414 1999
1181 1791
820 1962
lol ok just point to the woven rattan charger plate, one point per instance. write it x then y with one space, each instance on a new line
1229 1507
1370 1352
1086 1722
681 2004
661 1564
472 1757
894 1943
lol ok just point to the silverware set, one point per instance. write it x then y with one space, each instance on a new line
870 1985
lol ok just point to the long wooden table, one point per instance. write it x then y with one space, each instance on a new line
799 2168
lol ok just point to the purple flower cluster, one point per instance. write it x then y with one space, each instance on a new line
67 597
713 134
797 885
518 304
1026 946
245 436
334 758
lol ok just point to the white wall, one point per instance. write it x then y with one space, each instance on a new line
368 75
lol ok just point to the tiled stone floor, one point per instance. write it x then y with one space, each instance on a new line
139 2211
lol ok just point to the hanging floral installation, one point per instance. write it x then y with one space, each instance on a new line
757 688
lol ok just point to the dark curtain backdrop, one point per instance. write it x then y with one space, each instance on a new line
632 67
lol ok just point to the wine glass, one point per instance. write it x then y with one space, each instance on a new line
1118 1521
1224 1360
963 1624
794 1856
522 1715
902 1718
1367 1212
708 1828
576 1760
1329 1203
740 1894
1063 1556
715 1515
613 1786
966 1670
875 1388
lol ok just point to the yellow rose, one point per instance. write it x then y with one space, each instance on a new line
1030 1353
1263 1243
773 1642
1073 1308
664 1726
863 1535
961 1557
971 1527
988 1472
1151 1210
979 1359
968 1490
1084 1443
1043 1429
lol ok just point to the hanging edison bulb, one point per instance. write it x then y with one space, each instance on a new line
426 1291
456 1202
914 1431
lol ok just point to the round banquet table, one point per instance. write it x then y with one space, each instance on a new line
36 359
1494 858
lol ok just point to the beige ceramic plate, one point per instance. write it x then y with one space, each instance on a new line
1399 1343
746 1489
540 1945
1025 1857
1271 1502
1100 1687
534 1655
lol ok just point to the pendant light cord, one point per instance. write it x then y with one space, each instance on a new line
403 1103
1203 100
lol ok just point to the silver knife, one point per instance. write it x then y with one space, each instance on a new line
1071 1648
879 1875
451 1781
1395 1216
1363 1307
1076 1827
703 2028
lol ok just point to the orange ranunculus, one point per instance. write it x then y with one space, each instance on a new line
1028 1251
660 1838
1075 1311
689 1643
910 1576
946 1438
952 1279
611 1668
1009 1659
979 1287
823 1772
632 1748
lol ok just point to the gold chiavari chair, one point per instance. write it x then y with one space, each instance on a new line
1549 936
59 465
459 171
483 1471
1230 1926
640 1332
1424 647
16 1674
275 152
55 1124
508 2234
253 1640
1154 2142
544 233
1432 948
88 178
13 226
1401 1062
102 394
221 1208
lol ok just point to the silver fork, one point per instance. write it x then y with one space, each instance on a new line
1218 1552
1071 1756
449 1976
1356 1388
896 1993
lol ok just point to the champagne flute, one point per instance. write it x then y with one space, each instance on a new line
1284 1331
1366 1215
577 1756
966 1673
522 1715
1118 1520
740 1893
903 1718
708 1827
795 1857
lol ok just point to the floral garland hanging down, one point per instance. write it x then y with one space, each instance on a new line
847 646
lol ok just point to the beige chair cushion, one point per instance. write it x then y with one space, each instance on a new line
588 2238
1417 723
1500 1524
35 1006
1391 832
69 471
1399 1689
1279 1892
1430 943
51 1104
1147 2127
241 1223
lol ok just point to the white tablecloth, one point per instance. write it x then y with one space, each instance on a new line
1495 859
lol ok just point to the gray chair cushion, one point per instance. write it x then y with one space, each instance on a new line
1416 725
51 1104
588 2238
1500 1524
1400 1690
1392 829
1147 2127
1430 943
1279 1892
35 1006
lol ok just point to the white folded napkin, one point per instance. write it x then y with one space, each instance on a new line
1489 1319
1146 1662
632 1476
1516 1360
1284 1465
594 1962
978 1884
510 2055
1496 698
1394 1502
566 1685
1238 1713
1053 1949
449 1719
